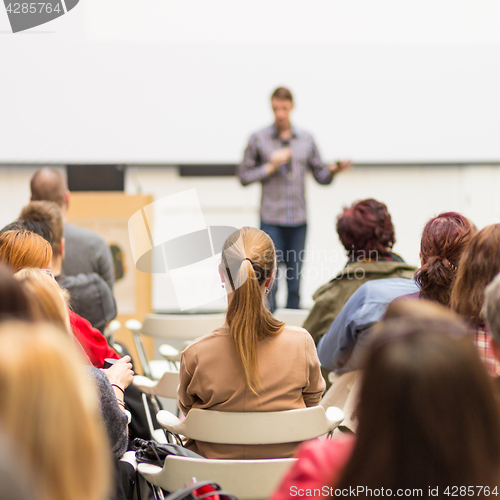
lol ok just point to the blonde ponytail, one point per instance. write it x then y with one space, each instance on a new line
248 260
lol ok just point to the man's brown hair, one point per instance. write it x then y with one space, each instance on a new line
48 184
283 94
50 214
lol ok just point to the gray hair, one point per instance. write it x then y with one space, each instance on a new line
491 308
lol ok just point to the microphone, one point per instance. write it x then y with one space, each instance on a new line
286 144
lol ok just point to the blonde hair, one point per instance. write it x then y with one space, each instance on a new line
248 260
48 300
50 409
21 248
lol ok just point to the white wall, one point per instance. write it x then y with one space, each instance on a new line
172 81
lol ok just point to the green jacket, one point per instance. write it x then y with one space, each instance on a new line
331 298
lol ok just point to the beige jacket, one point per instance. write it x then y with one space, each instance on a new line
211 377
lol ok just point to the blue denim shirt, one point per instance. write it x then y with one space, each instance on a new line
342 345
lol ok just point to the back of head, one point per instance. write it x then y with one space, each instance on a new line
427 413
444 239
50 409
48 184
14 303
20 248
40 228
49 214
248 260
491 308
479 265
366 230
49 302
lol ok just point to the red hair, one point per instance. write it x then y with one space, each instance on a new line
444 239
366 231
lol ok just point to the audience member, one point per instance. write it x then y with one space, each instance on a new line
491 315
14 302
15 484
51 412
21 248
366 231
479 265
91 297
428 420
444 238
49 304
86 251
253 362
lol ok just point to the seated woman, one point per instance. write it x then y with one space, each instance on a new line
253 362
51 413
479 265
443 241
20 248
366 231
427 418
49 304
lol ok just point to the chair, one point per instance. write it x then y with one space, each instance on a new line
292 317
170 326
247 479
166 387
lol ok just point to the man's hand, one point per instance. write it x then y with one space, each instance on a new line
279 157
340 166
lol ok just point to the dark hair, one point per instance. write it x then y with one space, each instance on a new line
40 228
427 412
366 231
14 303
444 238
479 265
283 94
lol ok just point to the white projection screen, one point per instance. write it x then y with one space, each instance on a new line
187 81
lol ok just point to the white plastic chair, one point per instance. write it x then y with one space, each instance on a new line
292 317
170 326
247 479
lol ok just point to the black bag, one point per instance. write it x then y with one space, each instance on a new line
151 452
134 403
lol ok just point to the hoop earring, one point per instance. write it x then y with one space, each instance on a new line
267 290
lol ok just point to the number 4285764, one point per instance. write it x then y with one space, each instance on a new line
33 8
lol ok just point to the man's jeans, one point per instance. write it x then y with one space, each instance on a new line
289 243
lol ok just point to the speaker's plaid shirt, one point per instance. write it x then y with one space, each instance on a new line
283 195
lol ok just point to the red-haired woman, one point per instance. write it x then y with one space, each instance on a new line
366 231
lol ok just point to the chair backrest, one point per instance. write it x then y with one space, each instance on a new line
181 326
291 317
246 479
254 427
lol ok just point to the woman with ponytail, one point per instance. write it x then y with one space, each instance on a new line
253 362
443 240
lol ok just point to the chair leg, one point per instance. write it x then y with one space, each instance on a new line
157 492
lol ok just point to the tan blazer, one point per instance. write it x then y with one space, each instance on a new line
212 377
